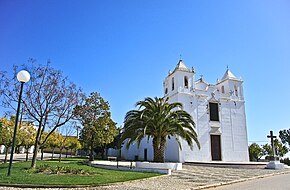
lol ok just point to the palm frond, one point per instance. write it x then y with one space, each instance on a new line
156 118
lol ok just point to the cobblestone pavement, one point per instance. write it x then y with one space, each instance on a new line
191 177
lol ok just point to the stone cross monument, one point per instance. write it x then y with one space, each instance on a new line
274 164
272 137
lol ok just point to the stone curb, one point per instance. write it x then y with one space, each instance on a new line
238 181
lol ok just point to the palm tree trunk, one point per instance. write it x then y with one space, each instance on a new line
159 151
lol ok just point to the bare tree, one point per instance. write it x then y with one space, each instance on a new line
49 99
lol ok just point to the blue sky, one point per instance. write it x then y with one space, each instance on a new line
124 49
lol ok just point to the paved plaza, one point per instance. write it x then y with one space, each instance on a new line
195 177
277 182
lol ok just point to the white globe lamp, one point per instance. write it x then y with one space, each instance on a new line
23 76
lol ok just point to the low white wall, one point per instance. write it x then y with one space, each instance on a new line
172 166
133 169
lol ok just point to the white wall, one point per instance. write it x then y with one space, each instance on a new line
231 127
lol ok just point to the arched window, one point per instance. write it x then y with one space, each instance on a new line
185 82
173 83
223 89
166 90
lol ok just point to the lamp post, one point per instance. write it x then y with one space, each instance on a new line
23 77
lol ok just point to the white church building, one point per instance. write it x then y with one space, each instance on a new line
218 111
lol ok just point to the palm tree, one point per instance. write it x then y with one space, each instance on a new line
158 119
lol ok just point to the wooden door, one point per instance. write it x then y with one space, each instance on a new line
216 147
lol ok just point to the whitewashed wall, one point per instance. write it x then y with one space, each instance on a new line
195 99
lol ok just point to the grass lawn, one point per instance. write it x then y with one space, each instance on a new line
20 175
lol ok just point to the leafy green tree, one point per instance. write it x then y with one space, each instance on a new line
285 136
99 129
62 144
67 145
105 131
255 152
117 144
26 136
280 149
158 119
267 148
54 142
74 144
48 99
6 136
45 144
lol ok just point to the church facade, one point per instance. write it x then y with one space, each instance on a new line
218 111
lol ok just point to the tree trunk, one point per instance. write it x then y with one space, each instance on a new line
6 154
92 154
52 153
33 162
66 153
17 150
103 152
92 149
159 151
41 158
59 158
26 159
71 152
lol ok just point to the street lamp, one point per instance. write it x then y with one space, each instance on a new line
23 77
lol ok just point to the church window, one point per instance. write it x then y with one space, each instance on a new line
223 89
185 82
213 111
173 83
166 90
236 91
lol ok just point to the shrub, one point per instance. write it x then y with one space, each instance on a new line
45 168
285 161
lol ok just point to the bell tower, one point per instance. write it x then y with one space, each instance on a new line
181 79
231 85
